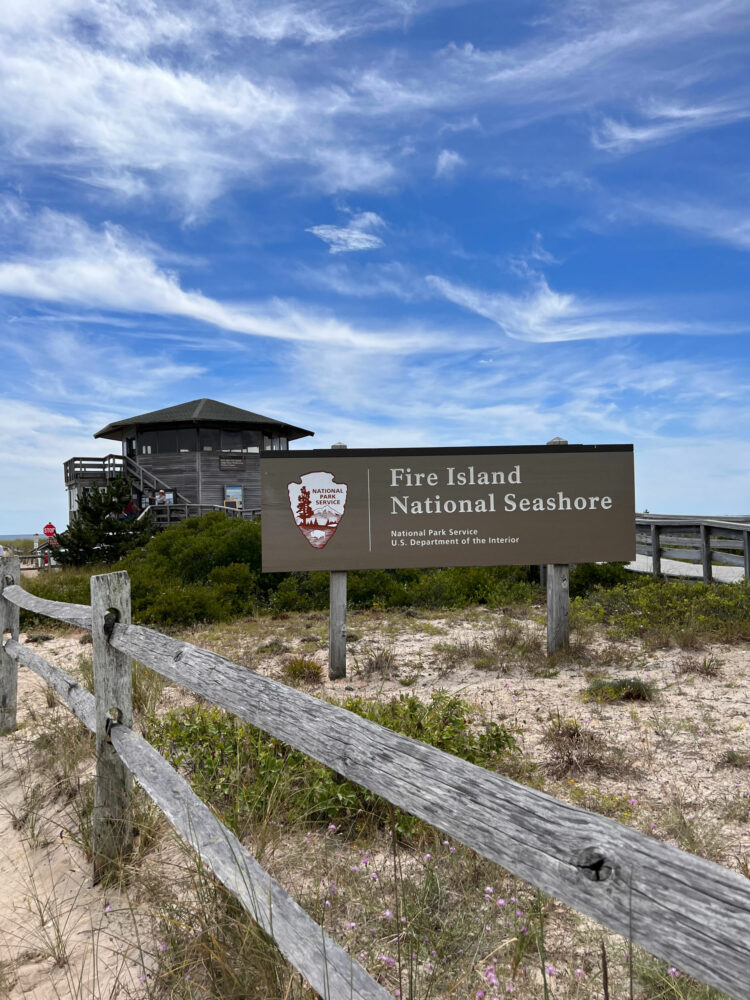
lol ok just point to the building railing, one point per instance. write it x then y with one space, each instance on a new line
163 515
113 466
689 911
704 540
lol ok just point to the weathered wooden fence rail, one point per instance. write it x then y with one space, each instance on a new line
695 540
689 911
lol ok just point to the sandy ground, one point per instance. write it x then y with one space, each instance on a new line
62 937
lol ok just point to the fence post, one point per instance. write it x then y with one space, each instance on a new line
558 598
706 553
746 554
10 573
112 827
337 619
655 550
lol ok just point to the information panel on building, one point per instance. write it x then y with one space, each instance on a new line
390 509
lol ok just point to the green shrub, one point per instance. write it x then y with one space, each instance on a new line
666 612
587 576
624 689
248 776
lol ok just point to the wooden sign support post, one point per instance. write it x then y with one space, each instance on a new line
337 620
558 599
10 573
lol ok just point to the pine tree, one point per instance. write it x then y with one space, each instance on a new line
99 532
304 507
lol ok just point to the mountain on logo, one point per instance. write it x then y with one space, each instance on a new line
327 514
317 503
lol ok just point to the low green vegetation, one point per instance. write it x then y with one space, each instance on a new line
669 612
248 777
621 689
208 569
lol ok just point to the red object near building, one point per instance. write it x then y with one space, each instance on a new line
50 530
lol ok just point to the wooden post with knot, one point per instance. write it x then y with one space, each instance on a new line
112 825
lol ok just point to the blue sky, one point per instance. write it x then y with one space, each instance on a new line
395 223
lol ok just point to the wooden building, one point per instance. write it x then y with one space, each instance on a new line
203 454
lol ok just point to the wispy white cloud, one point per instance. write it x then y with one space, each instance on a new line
717 223
665 122
389 280
358 235
544 316
71 264
449 162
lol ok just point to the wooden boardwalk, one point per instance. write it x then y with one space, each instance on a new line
673 567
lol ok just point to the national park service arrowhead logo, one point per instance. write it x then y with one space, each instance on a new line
317 502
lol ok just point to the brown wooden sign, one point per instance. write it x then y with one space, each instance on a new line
388 509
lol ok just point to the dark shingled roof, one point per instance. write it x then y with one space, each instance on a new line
203 412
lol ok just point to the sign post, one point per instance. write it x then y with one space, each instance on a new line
557 580
337 618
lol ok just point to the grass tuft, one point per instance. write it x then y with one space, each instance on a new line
624 689
575 748
301 670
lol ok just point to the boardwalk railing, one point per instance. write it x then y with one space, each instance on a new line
691 912
703 540
163 515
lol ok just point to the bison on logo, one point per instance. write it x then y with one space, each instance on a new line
317 502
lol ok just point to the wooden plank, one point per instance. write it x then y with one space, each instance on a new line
668 534
112 822
78 699
655 550
706 553
73 614
10 576
687 555
689 911
328 968
337 626
726 558
558 608
675 538
733 544
303 942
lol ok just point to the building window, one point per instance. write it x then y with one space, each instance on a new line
231 441
167 441
186 439
147 442
274 443
130 447
210 439
251 441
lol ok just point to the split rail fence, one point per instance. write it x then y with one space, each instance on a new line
691 912
703 540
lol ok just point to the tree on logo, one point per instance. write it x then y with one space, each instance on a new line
304 507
